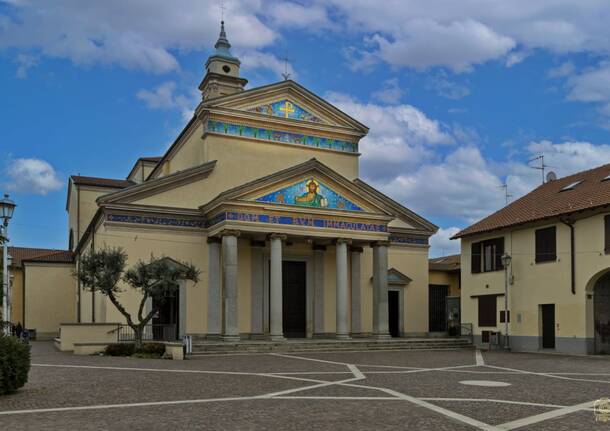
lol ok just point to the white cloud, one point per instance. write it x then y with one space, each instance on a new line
592 85
390 92
447 88
561 71
516 57
136 34
24 63
252 60
164 97
442 245
400 135
32 176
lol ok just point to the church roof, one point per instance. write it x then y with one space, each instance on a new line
101 182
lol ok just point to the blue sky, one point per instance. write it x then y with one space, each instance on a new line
458 97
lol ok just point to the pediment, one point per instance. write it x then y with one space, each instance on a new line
310 191
308 186
290 101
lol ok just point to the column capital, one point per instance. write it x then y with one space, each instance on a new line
229 232
280 236
213 240
343 241
355 249
380 244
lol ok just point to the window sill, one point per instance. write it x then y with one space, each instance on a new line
541 262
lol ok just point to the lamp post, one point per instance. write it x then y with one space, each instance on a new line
7 207
506 259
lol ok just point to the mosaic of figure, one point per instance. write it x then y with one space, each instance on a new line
310 192
286 109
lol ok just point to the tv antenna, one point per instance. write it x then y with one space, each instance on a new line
507 196
285 75
542 166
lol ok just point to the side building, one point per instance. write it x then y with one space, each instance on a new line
555 242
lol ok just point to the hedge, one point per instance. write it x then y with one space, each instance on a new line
14 364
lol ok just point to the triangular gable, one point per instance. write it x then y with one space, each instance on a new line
395 277
307 106
310 192
286 108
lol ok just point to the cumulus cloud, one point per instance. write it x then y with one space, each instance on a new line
400 135
390 92
442 245
164 97
446 88
34 176
136 34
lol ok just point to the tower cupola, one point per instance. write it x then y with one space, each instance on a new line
222 70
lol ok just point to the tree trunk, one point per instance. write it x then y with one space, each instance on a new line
138 332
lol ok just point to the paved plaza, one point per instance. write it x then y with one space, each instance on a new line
418 390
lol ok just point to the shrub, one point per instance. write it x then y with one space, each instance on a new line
120 349
14 364
152 349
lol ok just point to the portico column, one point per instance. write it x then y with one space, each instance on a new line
356 252
214 293
276 326
380 290
229 284
342 329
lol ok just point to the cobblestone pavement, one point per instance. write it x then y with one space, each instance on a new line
416 390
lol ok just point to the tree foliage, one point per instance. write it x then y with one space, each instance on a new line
159 279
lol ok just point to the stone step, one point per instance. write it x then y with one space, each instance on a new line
329 345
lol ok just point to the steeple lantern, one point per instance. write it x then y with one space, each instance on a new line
222 70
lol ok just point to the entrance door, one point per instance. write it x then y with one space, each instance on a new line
393 313
601 314
437 308
294 299
165 322
548 326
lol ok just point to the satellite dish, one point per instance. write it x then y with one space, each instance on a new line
551 176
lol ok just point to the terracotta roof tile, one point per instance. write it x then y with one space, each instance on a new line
445 263
101 182
20 254
550 200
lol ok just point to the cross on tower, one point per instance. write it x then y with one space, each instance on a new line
285 75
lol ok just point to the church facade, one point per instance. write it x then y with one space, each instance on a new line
261 192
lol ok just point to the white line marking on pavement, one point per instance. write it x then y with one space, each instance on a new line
554 376
491 400
307 359
545 416
357 373
479 357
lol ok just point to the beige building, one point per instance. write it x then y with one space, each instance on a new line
558 238
42 289
444 295
261 192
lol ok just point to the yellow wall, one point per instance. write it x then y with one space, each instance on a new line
50 297
446 278
541 283
16 295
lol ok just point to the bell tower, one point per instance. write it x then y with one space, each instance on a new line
222 70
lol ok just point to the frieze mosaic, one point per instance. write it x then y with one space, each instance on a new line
225 128
154 220
297 221
286 109
409 239
310 193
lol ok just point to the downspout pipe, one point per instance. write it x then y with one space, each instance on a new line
570 224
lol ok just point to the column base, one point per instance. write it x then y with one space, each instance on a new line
230 338
343 337
382 336
277 338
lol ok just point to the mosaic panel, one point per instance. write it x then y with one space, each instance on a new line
409 239
310 193
153 220
280 136
286 109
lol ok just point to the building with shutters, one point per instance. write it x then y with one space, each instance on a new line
558 238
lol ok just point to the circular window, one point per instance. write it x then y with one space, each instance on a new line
227 69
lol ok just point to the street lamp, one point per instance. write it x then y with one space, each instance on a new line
7 207
506 259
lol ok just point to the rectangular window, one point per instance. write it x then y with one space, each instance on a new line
546 244
607 234
502 316
487 310
487 255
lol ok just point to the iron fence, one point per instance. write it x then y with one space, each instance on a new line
153 332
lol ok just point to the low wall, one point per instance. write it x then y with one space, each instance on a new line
71 333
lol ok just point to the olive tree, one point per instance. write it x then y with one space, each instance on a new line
102 270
